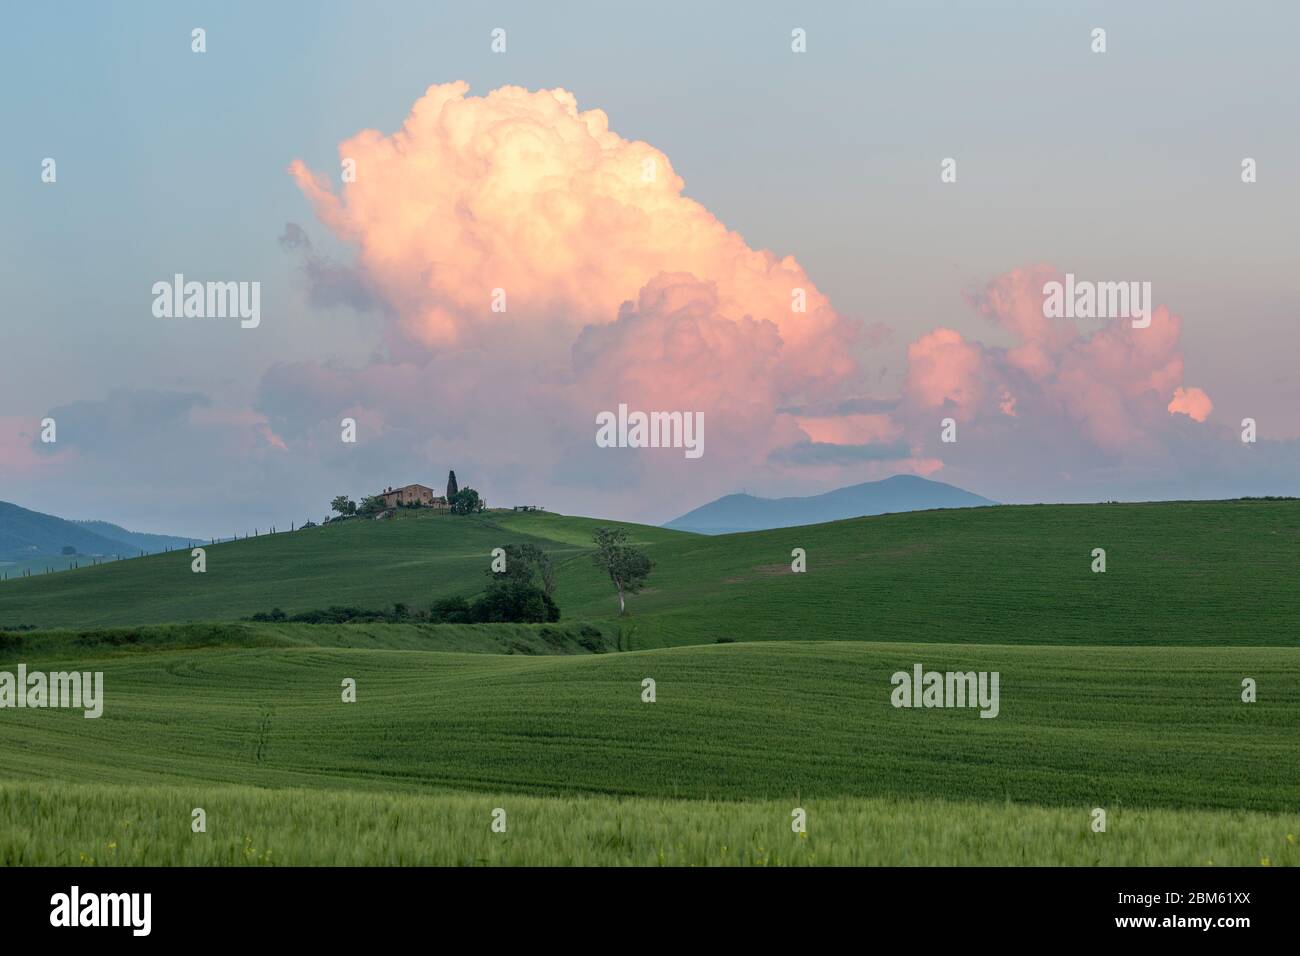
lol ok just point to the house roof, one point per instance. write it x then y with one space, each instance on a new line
394 490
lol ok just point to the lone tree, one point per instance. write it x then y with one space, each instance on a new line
626 566
344 505
452 487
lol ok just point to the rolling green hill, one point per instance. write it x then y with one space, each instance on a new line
1136 727
413 558
1119 690
1180 573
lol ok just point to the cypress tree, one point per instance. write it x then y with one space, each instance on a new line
452 488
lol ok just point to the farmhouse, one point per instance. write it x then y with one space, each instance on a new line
412 495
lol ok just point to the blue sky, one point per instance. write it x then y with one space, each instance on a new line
1122 165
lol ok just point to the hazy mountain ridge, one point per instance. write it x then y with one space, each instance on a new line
29 534
139 539
741 512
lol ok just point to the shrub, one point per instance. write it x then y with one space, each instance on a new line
513 602
111 638
452 610
339 614
592 640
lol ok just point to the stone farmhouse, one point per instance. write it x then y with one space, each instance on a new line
421 495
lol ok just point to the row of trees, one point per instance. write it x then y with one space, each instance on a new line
464 501
346 507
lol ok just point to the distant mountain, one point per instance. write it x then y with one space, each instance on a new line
900 493
138 539
31 534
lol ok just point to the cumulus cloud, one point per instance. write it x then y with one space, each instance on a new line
616 287
1100 384
619 289
944 371
522 191
1065 412
1192 402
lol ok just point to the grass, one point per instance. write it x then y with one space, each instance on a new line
43 825
413 559
1118 690
46 564
1136 727
1180 573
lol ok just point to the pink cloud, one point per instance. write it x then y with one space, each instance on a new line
522 191
620 289
1192 402
852 429
1098 384
945 371
19 456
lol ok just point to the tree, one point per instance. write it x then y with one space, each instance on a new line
466 502
627 567
527 564
371 504
452 487
514 602
541 564
344 505
451 610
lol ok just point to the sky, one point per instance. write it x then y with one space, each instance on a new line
621 207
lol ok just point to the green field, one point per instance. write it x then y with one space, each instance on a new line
78 825
1119 690
1102 726
1197 573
